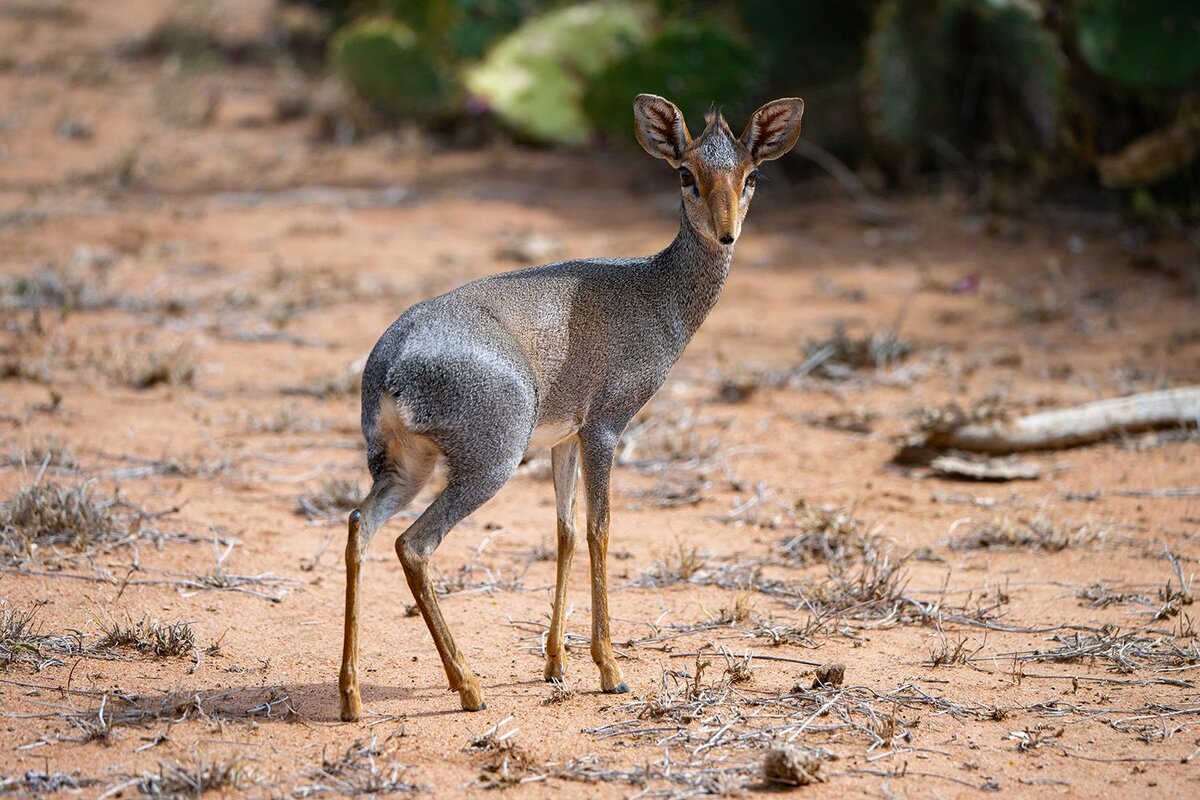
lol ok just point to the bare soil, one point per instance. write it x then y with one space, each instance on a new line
258 264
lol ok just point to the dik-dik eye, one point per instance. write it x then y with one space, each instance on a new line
752 179
686 178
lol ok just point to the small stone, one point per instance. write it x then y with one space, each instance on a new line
74 128
829 676
792 766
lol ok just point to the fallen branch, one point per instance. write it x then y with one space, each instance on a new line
1051 430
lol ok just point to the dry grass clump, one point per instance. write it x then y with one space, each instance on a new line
841 354
49 451
763 510
739 612
737 668
560 692
1124 652
873 588
743 383
683 696
140 368
678 565
948 654
286 419
1173 597
1034 736
22 642
849 420
59 517
329 386
504 762
1098 595
150 636
827 533
665 436
36 783
19 638
990 409
824 533
334 497
368 767
1005 533
203 774
69 288
23 366
673 490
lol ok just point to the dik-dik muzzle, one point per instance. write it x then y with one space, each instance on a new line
724 204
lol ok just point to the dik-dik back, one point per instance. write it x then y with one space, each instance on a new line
542 347
563 354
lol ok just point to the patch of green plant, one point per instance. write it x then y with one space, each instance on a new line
695 63
390 67
1143 43
966 76
535 78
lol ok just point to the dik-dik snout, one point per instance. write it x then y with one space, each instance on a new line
717 171
727 208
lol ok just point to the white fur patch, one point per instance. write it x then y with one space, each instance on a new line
549 434
403 445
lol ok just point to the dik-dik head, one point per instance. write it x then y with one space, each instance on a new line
717 171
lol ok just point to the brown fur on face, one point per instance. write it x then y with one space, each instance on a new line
716 167
720 164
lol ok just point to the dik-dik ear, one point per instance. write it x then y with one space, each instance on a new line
660 128
774 129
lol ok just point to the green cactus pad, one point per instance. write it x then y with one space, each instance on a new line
387 65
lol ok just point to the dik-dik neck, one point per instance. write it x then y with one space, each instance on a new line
693 269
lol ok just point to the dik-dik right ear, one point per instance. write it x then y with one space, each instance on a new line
660 128
774 129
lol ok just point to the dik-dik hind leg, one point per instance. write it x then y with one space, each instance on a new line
387 496
564 459
598 449
466 491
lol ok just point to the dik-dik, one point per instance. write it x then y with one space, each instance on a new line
563 355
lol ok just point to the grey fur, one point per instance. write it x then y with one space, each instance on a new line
718 147
573 349
460 366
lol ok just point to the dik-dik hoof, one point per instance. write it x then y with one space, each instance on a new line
471 696
611 679
556 668
351 709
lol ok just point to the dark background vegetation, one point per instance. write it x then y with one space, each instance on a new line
1094 100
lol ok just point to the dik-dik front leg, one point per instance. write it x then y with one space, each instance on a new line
564 459
598 449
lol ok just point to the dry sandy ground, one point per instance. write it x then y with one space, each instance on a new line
260 265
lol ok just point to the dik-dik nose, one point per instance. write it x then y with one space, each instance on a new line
723 203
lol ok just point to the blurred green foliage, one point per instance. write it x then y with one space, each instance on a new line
1142 43
696 63
535 79
1023 89
389 66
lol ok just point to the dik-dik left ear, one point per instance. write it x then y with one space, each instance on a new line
660 128
774 129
